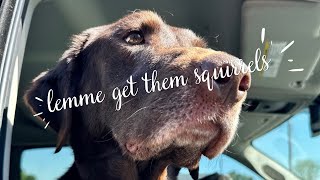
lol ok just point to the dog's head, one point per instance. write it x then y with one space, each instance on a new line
179 123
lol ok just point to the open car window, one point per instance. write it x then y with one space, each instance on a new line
42 163
292 145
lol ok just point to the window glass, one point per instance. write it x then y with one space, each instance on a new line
292 145
42 163
224 166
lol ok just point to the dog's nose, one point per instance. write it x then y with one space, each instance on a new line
230 76
245 82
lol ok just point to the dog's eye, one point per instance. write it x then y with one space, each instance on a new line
134 38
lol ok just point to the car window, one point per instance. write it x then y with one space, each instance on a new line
223 165
42 163
292 145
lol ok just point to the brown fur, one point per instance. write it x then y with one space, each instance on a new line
174 126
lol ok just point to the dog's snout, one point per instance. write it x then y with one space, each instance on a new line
228 74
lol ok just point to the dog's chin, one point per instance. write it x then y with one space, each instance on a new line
183 142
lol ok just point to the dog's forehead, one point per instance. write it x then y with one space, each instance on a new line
170 34
137 19
183 31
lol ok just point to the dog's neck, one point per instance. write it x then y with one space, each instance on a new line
104 160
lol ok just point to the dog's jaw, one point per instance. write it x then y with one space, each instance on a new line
194 128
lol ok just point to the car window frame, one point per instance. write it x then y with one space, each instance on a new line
15 18
8 22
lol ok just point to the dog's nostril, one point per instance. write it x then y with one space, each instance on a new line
245 83
224 75
223 80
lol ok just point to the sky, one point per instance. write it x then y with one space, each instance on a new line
46 165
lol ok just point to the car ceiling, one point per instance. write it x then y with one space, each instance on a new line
224 24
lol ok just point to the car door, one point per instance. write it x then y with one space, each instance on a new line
15 16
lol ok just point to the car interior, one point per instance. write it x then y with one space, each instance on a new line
276 97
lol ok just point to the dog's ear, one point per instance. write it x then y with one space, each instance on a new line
61 81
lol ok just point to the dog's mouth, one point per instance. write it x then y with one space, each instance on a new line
192 136
202 134
184 126
207 137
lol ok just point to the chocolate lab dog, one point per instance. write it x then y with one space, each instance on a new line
151 130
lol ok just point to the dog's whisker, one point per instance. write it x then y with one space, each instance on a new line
134 11
127 101
246 104
236 138
104 140
230 151
169 13
121 124
136 112
143 108
106 134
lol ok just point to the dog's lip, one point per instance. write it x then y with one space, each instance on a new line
205 125
201 132
214 148
211 150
